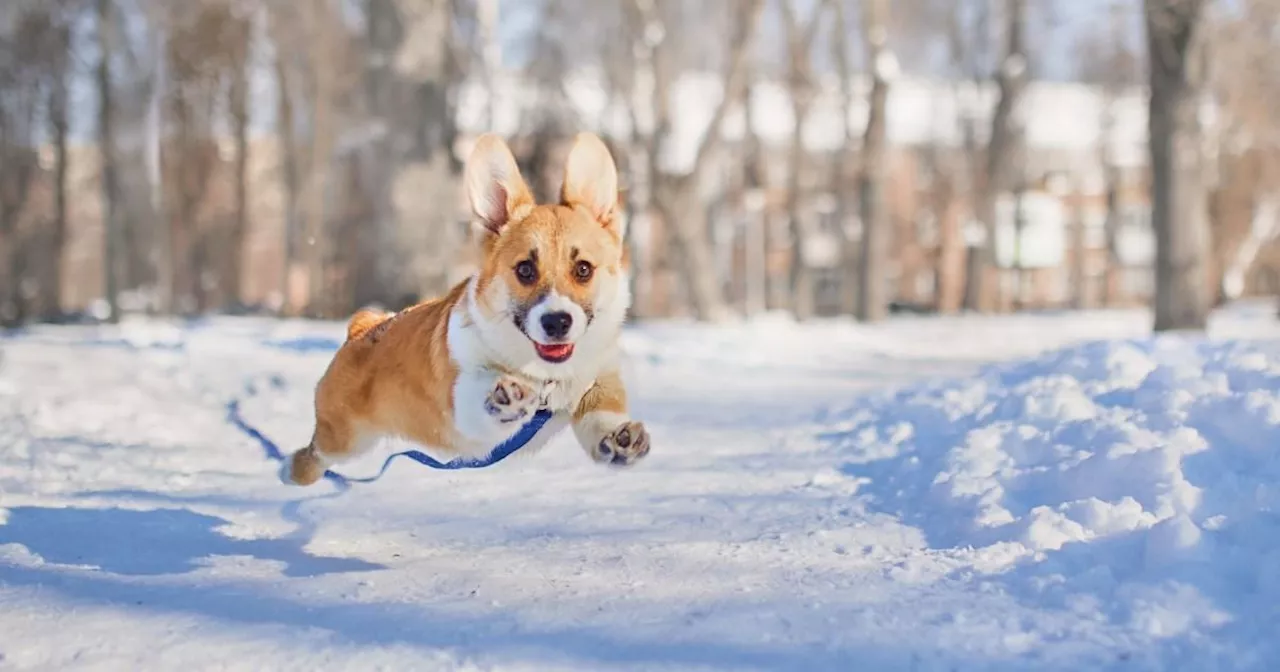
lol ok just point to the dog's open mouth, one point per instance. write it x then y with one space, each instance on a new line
555 352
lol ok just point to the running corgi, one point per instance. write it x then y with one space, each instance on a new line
536 326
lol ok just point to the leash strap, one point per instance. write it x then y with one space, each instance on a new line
498 454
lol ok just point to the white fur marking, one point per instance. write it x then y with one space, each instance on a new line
470 417
556 303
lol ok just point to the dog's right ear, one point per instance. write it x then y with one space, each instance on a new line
496 191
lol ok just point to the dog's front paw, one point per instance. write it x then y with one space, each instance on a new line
511 400
624 446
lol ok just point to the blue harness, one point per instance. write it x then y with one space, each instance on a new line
501 452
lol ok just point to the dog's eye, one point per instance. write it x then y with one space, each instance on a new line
526 272
582 271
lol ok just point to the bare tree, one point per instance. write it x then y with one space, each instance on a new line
842 163
1079 248
1120 74
321 30
17 166
1179 216
1010 79
429 63
195 55
59 126
1107 62
1245 87
290 159
803 90
237 43
872 302
675 197
161 245
958 175
761 282
29 56
640 78
407 80
112 236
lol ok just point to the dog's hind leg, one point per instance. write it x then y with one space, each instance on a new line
335 439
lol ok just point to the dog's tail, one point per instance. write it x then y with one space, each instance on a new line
363 321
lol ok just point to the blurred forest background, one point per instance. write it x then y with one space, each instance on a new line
818 157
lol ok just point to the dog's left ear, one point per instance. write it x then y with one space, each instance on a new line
591 181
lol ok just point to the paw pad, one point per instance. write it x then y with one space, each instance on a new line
510 400
624 446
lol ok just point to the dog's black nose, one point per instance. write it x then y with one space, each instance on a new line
557 324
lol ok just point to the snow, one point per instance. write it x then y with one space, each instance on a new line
1041 491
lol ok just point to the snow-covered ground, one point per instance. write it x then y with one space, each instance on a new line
1031 492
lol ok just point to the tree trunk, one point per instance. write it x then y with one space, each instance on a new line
872 303
1112 87
686 220
755 183
949 267
1111 290
107 148
433 88
191 166
850 251
646 93
1000 152
1179 202
16 168
1080 262
683 217
161 245
289 161
800 39
1017 301
384 100
639 212
802 284
322 133
59 120
778 289
239 104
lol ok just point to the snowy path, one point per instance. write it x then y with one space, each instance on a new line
783 521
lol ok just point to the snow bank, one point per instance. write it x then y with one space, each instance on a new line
1112 469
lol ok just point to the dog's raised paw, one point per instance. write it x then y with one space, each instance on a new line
511 400
624 446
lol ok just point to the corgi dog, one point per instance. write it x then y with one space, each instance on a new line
536 327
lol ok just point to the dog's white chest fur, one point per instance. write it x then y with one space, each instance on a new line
486 350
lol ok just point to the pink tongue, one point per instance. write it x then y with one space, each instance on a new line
554 350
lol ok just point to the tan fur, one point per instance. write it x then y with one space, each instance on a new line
396 374
363 321
397 384
608 394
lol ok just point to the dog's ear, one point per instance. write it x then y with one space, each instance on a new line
495 189
591 181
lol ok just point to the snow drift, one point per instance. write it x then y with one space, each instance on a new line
1134 479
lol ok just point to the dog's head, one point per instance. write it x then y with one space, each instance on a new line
551 288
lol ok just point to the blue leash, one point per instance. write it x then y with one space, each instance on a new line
498 454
